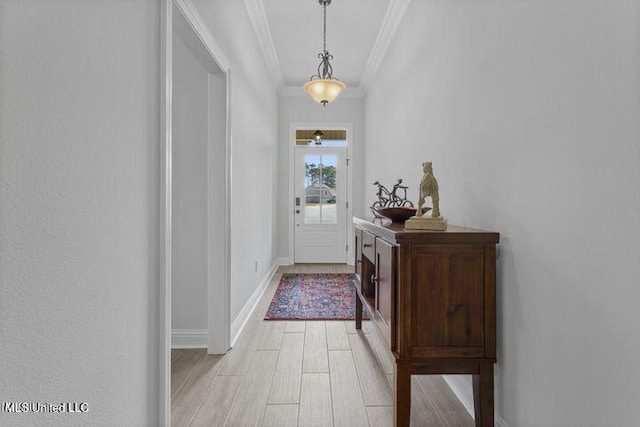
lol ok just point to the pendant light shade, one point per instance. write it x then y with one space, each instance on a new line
324 91
323 87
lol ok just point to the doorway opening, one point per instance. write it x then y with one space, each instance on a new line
196 184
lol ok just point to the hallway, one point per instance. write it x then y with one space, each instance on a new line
296 373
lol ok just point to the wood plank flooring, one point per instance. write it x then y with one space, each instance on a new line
299 374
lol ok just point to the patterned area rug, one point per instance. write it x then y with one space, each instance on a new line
313 296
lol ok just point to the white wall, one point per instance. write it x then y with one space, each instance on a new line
189 240
253 152
79 174
529 111
304 110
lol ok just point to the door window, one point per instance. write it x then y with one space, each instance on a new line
320 189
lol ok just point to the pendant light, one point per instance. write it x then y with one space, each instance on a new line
318 136
323 87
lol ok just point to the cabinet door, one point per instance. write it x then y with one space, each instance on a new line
385 287
448 301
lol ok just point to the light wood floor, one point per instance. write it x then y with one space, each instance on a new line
294 373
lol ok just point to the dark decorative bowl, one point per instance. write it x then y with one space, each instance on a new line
398 214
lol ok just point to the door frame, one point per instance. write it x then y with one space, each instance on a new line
199 28
293 126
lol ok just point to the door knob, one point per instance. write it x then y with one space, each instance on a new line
297 211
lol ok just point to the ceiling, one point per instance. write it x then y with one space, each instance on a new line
358 33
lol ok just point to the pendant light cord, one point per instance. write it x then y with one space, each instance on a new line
323 87
325 26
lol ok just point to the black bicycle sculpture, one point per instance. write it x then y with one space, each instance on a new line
390 199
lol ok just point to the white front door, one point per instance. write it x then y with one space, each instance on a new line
320 205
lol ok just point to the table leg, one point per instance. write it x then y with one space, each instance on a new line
358 312
483 395
401 394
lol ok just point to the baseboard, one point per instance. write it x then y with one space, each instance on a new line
283 261
500 422
189 338
250 306
463 389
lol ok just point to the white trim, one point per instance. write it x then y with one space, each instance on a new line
463 390
189 338
218 304
241 320
227 215
390 24
297 91
284 261
260 23
164 360
348 126
500 422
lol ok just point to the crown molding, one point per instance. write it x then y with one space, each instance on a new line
297 91
258 17
194 19
390 24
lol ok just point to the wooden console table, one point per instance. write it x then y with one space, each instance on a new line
432 296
